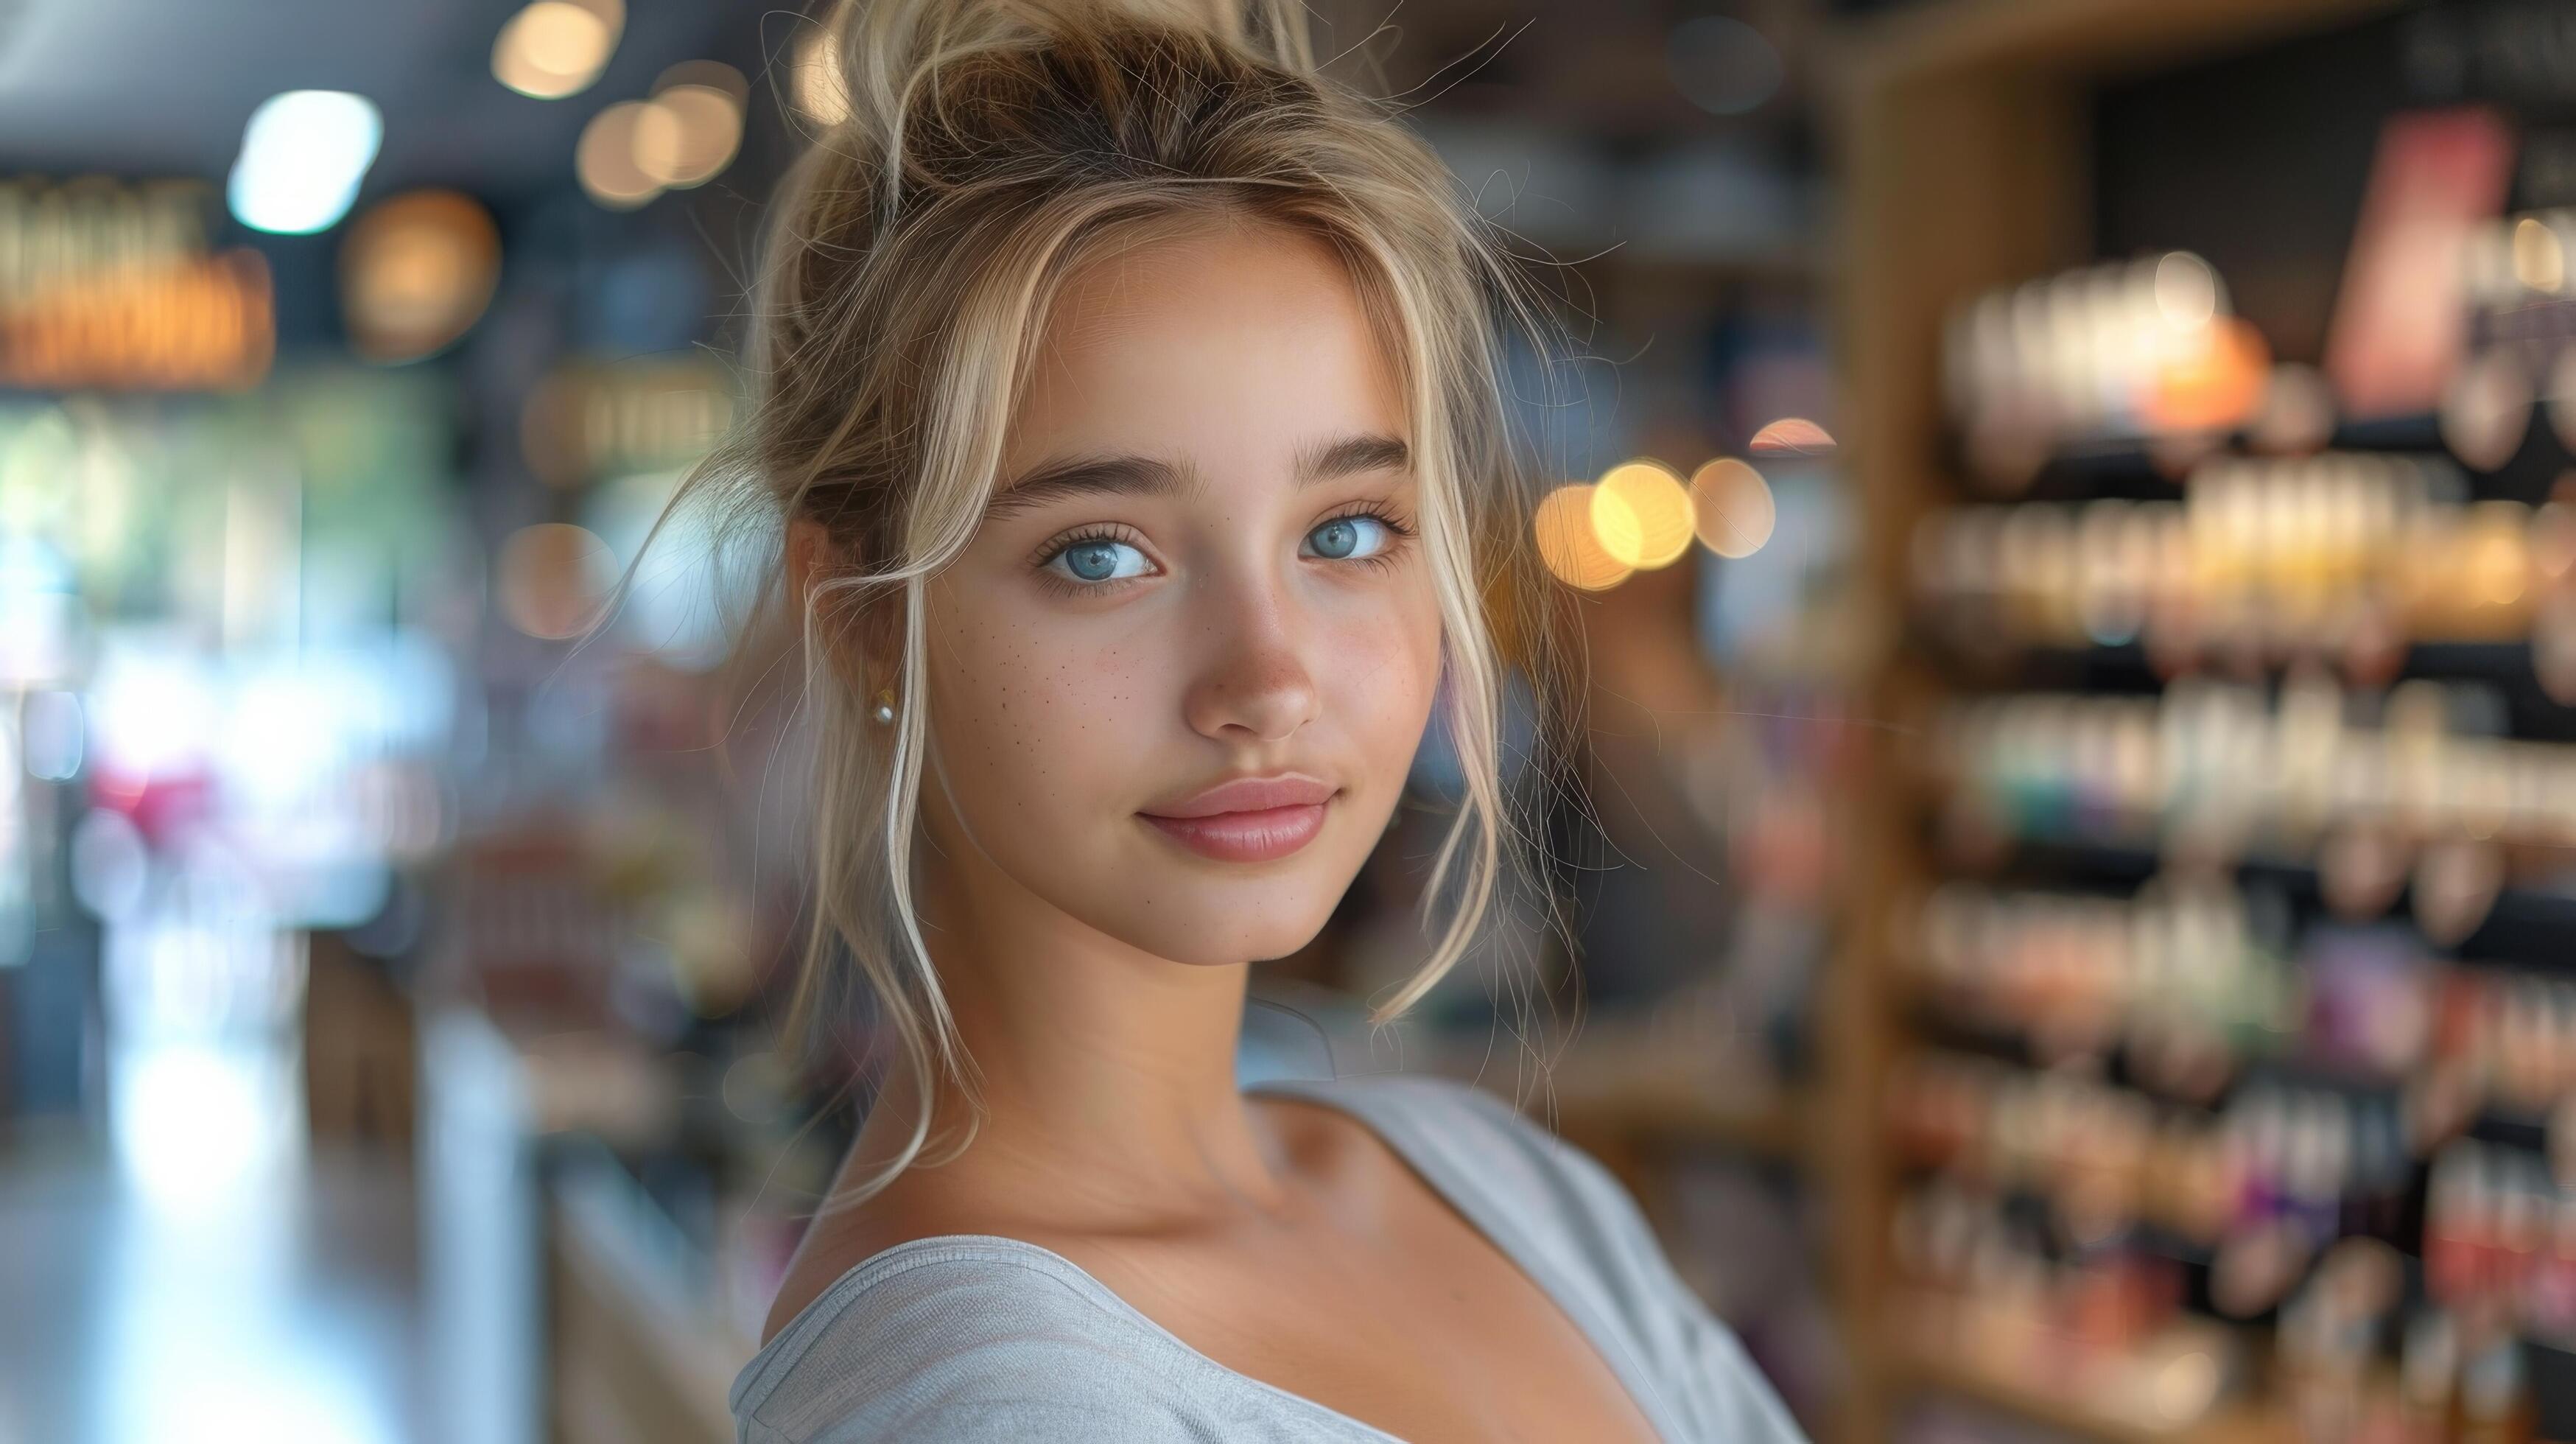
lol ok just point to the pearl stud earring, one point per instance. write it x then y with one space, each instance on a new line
885 708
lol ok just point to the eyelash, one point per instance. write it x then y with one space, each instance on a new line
1398 530
1087 536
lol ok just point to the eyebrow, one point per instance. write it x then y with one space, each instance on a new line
1352 456
1151 476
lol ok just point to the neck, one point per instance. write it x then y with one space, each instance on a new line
1107 1074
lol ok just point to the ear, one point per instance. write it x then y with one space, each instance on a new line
812 560
856 640
809 546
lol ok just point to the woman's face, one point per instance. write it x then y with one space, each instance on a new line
1199 567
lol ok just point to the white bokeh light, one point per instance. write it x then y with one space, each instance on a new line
303 154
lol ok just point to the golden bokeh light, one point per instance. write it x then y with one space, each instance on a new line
2497 559
2186 1385
687 134
1733 506
1641 516
550 579
1566 543
2186 290
555 48
2539 258
2211 382
1791 436
416 274
606 158
815 85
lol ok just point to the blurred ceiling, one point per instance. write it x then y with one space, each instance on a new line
163 87
151 88
1600 67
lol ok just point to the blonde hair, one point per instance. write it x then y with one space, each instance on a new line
991 148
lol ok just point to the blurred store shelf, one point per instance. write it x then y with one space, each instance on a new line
638 1354
2081 1414
2005 154
541 1240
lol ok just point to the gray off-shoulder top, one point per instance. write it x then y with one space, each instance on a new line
989 1340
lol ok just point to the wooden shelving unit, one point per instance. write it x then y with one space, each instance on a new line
1962 131
639 1351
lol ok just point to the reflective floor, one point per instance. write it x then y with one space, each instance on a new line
199 1272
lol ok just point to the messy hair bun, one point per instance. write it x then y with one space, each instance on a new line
990 148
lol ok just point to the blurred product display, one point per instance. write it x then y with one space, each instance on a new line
2221 1014
2346 559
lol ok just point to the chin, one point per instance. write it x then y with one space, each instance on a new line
1204 913
1202 923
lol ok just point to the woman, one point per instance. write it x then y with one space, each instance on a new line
1130 404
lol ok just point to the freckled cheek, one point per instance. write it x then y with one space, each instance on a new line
1045 721
1381 676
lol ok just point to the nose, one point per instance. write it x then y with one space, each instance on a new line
1252 680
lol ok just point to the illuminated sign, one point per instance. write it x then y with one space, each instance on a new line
584 422
110 287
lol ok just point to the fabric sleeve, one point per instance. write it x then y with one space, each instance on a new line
993 1415
1721 1394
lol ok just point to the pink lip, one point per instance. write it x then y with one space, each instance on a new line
1250 819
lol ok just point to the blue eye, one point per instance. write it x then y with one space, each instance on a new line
1099 560
1348 538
